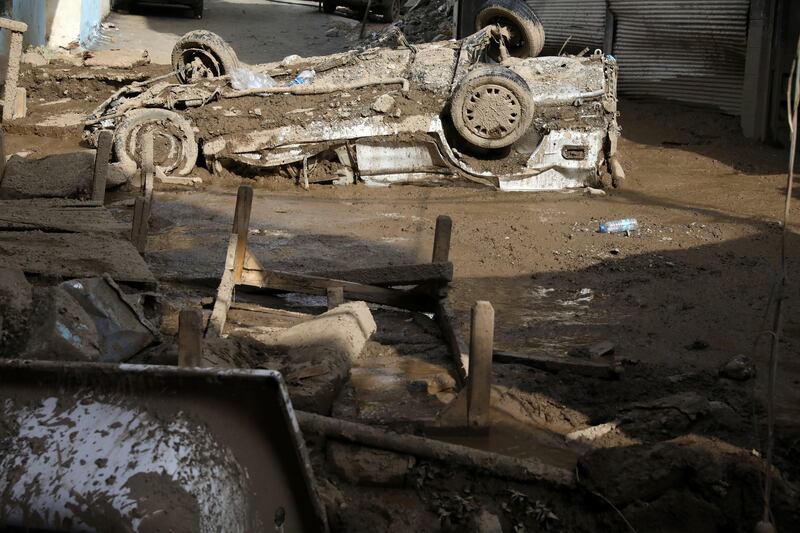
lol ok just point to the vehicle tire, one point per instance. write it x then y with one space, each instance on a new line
525 29
391 10
174 144
202 54
328 6
491 107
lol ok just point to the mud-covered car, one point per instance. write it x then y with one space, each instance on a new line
482 109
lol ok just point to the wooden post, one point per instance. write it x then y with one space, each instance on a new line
335 297
139 229
479 380
441 239
12 73
219 315
241 226
101 158
190 334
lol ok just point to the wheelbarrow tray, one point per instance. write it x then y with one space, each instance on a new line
141 448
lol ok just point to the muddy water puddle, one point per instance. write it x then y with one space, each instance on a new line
509 437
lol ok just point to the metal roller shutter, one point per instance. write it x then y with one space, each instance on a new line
683 50
583 22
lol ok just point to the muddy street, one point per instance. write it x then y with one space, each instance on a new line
367 287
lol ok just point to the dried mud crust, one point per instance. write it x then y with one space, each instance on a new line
251 113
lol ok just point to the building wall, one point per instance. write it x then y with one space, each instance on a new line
59 22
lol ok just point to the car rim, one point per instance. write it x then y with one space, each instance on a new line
168 150
199 63
515 39
492 111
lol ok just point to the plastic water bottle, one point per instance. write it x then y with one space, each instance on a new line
304 77
624 225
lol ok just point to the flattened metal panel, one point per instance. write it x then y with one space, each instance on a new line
682 50
583 22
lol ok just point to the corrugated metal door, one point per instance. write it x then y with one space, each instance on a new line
583 22
687 50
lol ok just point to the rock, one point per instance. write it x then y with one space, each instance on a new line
332 32
126 58
485 522
740 368
368 466
34 57
383 104
591 191
15 306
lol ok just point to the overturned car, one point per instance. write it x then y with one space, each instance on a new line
484 109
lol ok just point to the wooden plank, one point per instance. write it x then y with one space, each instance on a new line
390 276
190 338
139 226
101 159
441 239
597 369
305 284
219 315
241 227
479 383
445 317
74 255
20 215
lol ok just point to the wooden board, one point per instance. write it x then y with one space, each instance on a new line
395 275
73 255
57 215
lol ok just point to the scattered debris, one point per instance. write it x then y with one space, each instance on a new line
125 58
592 351
383 104
739 368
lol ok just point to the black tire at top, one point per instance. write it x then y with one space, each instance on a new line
527 30
390 10
216 55
491 107
328 6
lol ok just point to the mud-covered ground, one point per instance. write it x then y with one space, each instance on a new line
679 298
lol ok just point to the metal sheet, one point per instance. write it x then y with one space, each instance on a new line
99 447
682 50
583 22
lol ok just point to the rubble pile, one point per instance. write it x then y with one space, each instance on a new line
426 21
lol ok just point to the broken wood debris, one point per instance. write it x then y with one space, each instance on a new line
143 205
596 369
101 159
490 463
14 97
57 215
190 338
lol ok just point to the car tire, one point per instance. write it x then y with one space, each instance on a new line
527 32
208 50
328 6
391 11
175 146
491 107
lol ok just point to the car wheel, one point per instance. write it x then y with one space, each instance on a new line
328 6
174 144
491 107
202 54
525 33
391 11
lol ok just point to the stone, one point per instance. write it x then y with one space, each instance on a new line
368 466
597 349
383 104
34 57
332 32
739 368
485 522
591 191
15 307
126 58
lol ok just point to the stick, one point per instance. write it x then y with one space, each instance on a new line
450 454
441 239
12 73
